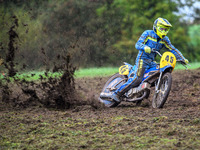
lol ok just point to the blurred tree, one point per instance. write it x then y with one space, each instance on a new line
73 26
137 16
95 33
194 44
28 29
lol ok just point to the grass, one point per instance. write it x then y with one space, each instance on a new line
86 72
31 76
93 72
194 65
89 72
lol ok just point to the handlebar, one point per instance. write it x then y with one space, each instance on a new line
154 50
182 62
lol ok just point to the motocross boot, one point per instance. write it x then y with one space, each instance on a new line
113 96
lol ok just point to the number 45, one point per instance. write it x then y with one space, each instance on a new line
171 59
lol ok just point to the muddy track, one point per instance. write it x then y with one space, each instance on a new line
184 93
89 125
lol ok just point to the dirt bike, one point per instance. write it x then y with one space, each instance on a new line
159 77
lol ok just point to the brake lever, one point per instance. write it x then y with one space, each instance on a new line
184 64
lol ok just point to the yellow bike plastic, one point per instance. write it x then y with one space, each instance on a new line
123 70
168 58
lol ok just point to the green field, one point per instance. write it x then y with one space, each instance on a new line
92 72
89 72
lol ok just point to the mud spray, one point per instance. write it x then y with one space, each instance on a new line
51 92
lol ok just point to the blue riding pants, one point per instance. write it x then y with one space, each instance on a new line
137 76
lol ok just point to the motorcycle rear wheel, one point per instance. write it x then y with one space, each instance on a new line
164 88
114 80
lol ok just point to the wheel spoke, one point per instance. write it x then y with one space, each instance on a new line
163 90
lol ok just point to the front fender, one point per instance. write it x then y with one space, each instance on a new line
167 68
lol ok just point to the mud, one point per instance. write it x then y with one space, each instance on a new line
185 87
89 125
56 92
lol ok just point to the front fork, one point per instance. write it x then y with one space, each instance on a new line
158 83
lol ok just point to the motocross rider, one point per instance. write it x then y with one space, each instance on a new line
150 39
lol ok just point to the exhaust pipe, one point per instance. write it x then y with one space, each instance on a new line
137 99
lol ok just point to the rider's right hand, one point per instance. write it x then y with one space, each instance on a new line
147 49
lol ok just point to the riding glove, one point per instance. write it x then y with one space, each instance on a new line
147 49
186 61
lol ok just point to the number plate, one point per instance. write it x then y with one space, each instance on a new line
168 58
124 70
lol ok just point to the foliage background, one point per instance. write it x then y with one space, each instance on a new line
95 33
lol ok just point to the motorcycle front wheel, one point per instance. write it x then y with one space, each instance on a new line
164 88
111 85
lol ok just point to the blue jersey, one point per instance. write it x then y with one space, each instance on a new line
151 39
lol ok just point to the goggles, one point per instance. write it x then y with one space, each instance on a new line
163 29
